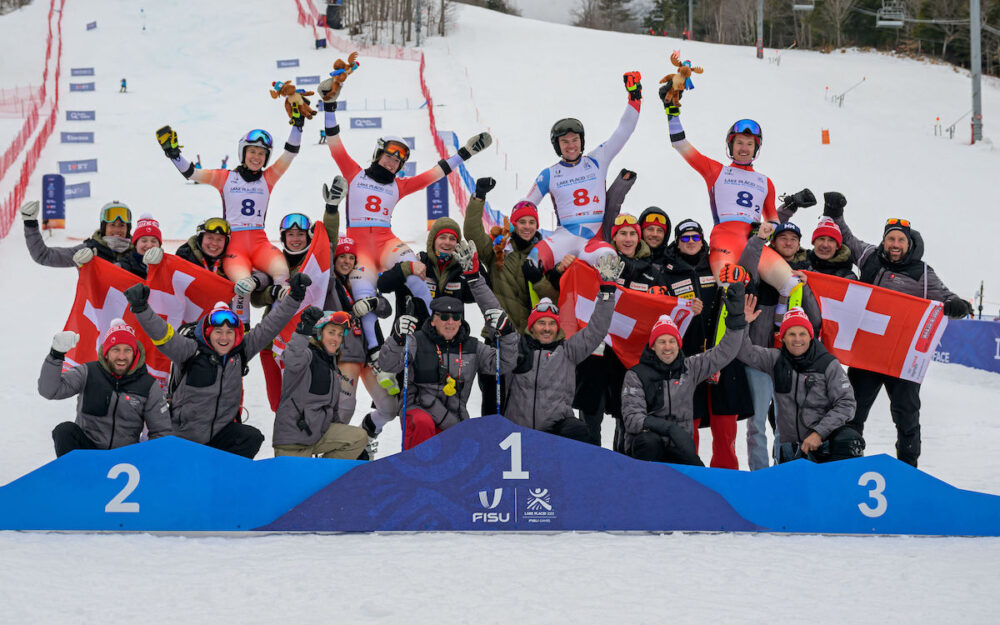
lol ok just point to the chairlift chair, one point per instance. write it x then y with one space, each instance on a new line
803 5
891 15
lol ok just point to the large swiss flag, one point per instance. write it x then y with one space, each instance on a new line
634 316
872 328
317 265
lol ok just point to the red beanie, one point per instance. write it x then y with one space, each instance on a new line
828 228
795 317
538 314
615 228
120 333
523 208
664 325
147 227
345 245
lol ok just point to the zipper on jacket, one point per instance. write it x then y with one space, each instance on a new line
114 418
218 398
534 398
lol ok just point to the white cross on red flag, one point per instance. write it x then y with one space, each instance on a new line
872 328
634 316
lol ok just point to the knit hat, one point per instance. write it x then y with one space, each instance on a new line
828 228
787 227
795 317
523 208
147 227
687 225
548 313
664 325
635 226
648 218
120 333
345 245
898 224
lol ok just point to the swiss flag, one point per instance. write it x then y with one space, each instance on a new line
872 328
634 316
316 265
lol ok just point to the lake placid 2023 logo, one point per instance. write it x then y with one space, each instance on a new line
538 508
533 507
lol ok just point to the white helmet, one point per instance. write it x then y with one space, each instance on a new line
259 138
393 145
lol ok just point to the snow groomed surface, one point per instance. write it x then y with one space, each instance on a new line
484 475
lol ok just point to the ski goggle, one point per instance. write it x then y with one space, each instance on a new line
336 317
449 316
655 218
746 126
898 222
116 212
547 307
625 219
295 220
223 318
259 137
569 124
216 225
688 238
400 151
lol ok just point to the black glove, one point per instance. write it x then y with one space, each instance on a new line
833 204
657 425
672 109
297 286
955 308
532 272
802 199
299 121
484 186
138 298
167 139
735 316
308 319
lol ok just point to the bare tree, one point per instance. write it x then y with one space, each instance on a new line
587 14
837 12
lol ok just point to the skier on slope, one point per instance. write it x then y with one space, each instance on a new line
110 241
372 196
577 184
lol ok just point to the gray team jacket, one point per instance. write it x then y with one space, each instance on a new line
111 411
209 391
540 389
819 401
310 393
678 392
428 372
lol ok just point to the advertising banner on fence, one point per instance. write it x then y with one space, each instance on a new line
86 166
366 122
288 63
971 342
53 202
81 116
437 200
81 86
77 191
307 80
91 25
81 71
76 137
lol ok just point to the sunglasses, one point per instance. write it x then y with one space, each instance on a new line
116 213
223 318
746 126
898 222
217 225
295 220
624 219
655 219
547 307
261 137
688 238
398 150
446 316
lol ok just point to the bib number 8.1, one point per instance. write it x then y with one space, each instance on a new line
248 207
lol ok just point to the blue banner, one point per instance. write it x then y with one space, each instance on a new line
437 199
81 71
288 63
81 86
307 80
76 137
77 191
972 343
366 122
86 166
81 116
53 197
411 142
409 169
91 25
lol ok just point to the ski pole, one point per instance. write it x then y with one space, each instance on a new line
407 310
496 357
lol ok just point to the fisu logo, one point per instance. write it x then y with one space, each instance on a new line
497 495
490 504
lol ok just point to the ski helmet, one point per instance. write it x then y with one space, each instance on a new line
295 220
744 127
393 145
562 127
221 315
336 317
259 138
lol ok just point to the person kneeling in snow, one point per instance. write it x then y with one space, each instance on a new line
445 357
206 386
540 392
307 422
117 395
658 396
813 397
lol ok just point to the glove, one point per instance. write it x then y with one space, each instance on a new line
957 308
833 204
532 271
138 298
633 86
297 286
277 292
405 325
364 306
467 258
64 341
672 109
733 273
609 267
802 199
167 139
498 321
83 256
153 256
657 425
475 145
334 193
308 319
246 286
29 210
734 300
483 186
299 121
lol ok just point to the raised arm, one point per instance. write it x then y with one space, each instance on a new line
607 151
280 166
707 167
615 197
473 226
348 167
54 383
45 255
473 146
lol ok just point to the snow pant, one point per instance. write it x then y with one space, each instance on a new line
420 426
762 391
599 382
653 448
68 436
386 405
723 438
250 249
488 386
904 405
345 442
726 244
573 428
842 444
272 378
238 438
581 240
